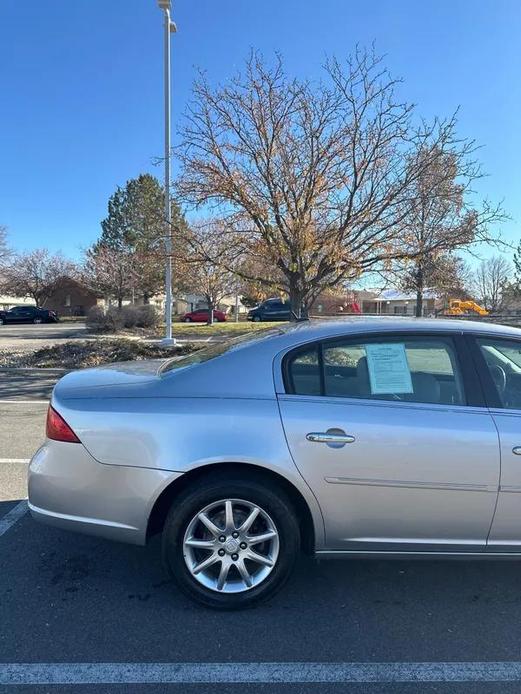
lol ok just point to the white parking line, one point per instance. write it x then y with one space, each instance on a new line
12 516
15 460
241 673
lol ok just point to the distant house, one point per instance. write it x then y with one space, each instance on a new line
184 303
392 302
387 302
71 298
7 302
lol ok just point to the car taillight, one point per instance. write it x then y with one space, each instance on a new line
58 429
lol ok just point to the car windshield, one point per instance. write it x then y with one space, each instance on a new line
217 350
511 354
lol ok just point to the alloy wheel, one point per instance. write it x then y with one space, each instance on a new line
231 546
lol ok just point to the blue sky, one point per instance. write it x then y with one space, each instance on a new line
81 88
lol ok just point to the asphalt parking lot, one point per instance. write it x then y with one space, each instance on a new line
89 613
18 337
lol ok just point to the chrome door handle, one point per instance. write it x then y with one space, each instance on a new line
516 450
334 438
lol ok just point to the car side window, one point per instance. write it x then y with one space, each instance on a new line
304 372
503 360
409 369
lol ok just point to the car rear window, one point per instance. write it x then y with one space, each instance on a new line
217 350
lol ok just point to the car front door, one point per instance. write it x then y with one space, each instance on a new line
499 363
275 310
27 315
391 435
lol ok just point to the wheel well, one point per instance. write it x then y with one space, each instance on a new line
246 471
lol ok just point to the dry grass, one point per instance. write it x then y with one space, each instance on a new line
83 353
229 328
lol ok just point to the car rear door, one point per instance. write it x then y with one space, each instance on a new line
391 434
498 360
18 315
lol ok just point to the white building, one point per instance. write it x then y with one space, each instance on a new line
7 302
392 302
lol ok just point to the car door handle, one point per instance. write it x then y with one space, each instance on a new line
516 450
335 438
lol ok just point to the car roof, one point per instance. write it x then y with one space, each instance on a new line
321 328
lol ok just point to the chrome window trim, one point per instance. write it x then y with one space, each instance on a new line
364 402
454 335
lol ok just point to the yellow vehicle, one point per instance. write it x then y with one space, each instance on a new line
459 307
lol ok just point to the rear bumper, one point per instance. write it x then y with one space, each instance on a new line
69 489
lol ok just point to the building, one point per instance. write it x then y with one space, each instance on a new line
7 302
71 298
392 302
185 303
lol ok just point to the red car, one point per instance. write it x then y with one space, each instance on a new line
202 315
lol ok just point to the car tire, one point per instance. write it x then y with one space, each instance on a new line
183 527
37 321
257 319
1 321
188 320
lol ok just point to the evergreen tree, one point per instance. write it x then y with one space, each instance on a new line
135 225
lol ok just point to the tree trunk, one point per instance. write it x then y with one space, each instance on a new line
419 292
120 302
419 303
295 300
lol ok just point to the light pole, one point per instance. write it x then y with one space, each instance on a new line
170 27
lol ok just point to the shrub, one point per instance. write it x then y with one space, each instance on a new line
98 320
147 316
114 319
128 316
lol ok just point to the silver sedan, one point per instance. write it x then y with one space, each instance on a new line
362 438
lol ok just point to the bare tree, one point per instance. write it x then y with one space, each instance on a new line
111 272
491 280
318 181
5 251
444 274
35 274
206 267
442 221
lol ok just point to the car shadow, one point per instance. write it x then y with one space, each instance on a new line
332 610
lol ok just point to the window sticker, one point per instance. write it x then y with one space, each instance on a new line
388 368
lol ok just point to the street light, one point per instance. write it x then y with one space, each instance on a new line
170 27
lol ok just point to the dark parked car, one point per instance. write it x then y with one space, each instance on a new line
271 309
28 314
202 315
